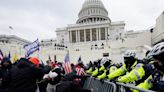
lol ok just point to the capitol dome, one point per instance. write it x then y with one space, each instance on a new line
92 11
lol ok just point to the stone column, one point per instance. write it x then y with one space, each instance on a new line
90 34
99 33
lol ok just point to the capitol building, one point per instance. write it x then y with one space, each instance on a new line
95 35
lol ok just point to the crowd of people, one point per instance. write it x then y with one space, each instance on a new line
28 75
145 74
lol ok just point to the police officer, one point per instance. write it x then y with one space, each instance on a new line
155 80
129 63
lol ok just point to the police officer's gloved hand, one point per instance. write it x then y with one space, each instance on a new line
102 81
159 86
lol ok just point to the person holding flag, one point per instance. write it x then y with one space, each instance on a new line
66 64
80 68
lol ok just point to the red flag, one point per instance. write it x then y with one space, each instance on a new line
66 64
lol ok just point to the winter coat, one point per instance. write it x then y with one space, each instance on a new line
57 79
5 74
24 76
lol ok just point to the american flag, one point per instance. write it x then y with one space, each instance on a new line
1 55
67 64
80 71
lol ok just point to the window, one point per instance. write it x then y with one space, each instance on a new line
87 34
105 54
81 35
73 36
102 33
94 34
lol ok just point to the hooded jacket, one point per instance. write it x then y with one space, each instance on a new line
5 73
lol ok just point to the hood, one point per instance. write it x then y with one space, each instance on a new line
6 59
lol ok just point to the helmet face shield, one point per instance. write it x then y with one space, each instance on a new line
157 49
159 65
159 59
157 53
129 61
126 60
129 53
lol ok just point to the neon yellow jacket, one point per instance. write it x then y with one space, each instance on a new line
89 71
102 76
102 68
122 70
136 74
147 84
112 69
95 72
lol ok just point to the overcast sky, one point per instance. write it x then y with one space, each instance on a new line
33 19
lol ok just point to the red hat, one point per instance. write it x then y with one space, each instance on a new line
34 60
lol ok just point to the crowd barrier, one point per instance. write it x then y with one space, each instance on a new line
106 86
121 87
99 86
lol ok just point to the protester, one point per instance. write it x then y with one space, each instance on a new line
24 75
53 78
43 84
5 74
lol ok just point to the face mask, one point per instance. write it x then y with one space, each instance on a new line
159 66
129 60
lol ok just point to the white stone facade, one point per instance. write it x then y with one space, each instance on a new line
158 32
94 34
12 44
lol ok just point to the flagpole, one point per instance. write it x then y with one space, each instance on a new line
11 30
39 53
